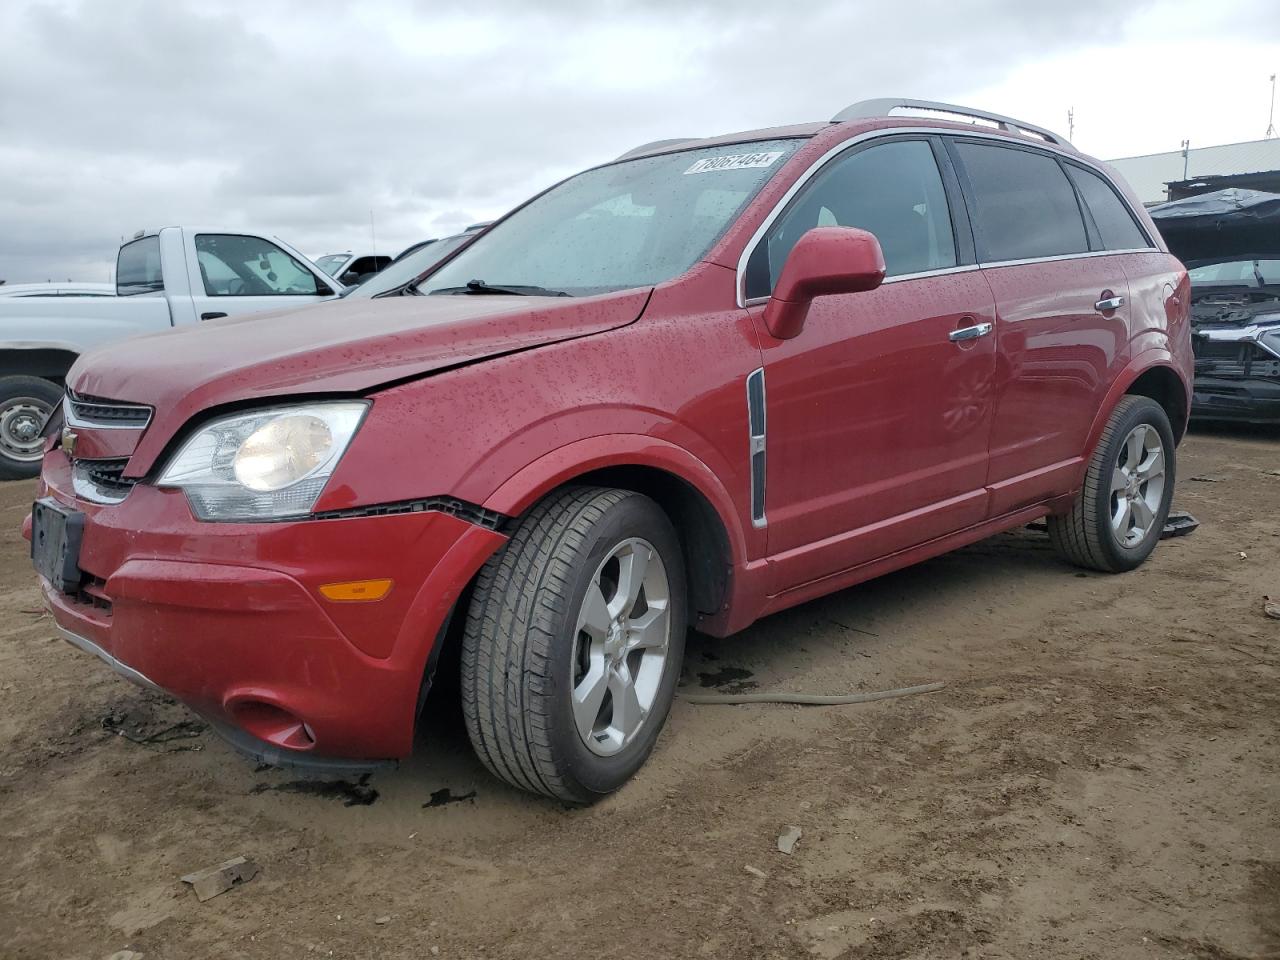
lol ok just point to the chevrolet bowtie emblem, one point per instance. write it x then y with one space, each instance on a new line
69 438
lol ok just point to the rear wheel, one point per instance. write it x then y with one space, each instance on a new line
573 644
1121 511
25 405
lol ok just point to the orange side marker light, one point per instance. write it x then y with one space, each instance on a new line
355 591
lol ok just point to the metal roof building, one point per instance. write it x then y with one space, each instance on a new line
1157 177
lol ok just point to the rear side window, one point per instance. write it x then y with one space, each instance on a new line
1116 226
138 268
893 190
1023 205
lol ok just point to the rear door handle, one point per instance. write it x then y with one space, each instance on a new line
1111 303
970 333
211 316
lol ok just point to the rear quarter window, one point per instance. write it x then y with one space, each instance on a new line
1116 226
1023 206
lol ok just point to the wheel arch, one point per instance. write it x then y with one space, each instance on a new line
46 362
1163 385
688 491
1153 374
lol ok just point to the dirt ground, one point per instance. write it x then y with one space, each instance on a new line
1099 779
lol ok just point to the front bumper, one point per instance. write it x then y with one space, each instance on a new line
228 618
1240 399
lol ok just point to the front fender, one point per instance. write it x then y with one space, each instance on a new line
538 478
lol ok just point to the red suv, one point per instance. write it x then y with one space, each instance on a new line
700 384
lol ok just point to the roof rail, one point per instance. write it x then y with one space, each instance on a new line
881 107
655 145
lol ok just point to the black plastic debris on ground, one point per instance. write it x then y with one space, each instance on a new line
358 794
440 798
1179 525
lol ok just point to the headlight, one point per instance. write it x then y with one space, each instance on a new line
266 464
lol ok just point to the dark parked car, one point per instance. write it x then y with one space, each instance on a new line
1230 243
705 382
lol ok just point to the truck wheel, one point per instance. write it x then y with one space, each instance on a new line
573 644
25 405
1119 516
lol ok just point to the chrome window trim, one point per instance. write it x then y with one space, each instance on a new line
73 421
886 132
1066 256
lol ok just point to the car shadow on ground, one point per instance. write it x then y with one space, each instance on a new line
792 651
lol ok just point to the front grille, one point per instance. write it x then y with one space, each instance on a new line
101 481
1235 359
1206 349
92 412
93 593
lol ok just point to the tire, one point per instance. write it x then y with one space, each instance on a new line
23 400
1098 534
534 653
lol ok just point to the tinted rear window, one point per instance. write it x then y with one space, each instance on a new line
1024 206
138 268
1118 229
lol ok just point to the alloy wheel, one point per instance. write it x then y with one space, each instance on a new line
1137 485
621 644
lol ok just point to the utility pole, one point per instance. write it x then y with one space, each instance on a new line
1271 124
1186 148
1071 123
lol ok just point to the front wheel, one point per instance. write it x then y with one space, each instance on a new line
573 644
25 406
1120 513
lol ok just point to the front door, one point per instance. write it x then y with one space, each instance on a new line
878 413
235 273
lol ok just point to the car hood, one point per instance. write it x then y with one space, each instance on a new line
1232 224
339 347
344 346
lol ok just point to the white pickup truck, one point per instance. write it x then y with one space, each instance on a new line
164 278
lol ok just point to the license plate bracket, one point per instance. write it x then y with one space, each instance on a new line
56 532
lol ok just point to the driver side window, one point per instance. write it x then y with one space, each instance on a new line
232 265
893 190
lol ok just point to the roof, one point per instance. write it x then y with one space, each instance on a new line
928 112
1148 174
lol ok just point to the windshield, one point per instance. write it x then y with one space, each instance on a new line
1236 273
630 224
409 267
331 263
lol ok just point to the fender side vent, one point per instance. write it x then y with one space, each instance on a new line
470 512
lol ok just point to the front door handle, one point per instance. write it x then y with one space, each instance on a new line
1110 303
211 316
970 333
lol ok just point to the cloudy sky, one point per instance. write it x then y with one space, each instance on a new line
299 118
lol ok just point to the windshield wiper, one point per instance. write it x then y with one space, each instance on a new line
475 287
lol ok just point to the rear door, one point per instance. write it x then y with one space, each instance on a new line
878 413
236 273
1063 315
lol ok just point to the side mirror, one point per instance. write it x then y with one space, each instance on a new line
350 278
825 261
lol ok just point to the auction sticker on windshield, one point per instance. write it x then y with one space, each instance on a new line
738 161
